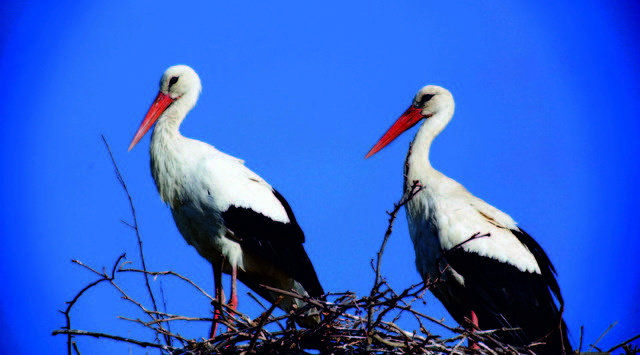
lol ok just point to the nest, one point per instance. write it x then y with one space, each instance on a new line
350 325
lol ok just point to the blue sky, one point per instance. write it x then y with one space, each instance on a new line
546 123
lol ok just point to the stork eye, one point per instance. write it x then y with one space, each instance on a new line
172 81
424 99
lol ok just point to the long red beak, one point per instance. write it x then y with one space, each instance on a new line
408 119
158 106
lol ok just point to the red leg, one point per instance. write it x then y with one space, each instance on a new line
233 302
219 294
474 322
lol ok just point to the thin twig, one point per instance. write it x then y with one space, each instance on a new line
416 187
263 321
263 307
294 295
581 334
70 304
602 336
135 227
476 235
169 272
624 343
114 337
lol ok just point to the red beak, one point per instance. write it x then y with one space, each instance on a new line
408 119
157 108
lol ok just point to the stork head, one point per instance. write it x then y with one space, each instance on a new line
432 99
179 87
431 102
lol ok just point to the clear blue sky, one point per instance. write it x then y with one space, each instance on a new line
546 129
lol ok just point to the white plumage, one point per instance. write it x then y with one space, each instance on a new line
503 279
232 217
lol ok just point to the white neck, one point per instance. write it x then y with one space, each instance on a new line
418 157
166 150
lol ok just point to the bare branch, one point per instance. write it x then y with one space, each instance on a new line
624 343
134 226
263 321
169 272
114 337
415 189
70 304
603 334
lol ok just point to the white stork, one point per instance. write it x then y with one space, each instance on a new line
501 279
233 218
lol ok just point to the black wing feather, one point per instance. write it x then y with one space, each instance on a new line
546 268
280 243
504 296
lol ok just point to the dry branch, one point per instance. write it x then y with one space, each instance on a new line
114 337
135 228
